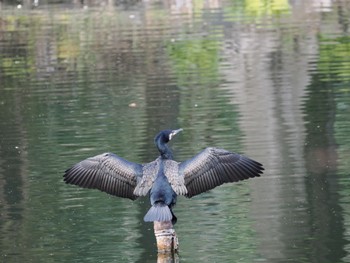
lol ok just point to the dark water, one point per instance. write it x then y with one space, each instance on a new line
270 79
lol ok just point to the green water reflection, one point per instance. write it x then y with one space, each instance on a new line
266 78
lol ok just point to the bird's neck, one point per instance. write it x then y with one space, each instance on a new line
164 150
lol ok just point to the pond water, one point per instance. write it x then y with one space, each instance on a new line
270 79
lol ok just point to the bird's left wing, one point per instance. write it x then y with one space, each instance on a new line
106 172
213 167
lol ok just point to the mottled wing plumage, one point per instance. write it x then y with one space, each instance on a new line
150 171
108 173
213 167
177 182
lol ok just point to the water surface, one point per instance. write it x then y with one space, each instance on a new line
270 80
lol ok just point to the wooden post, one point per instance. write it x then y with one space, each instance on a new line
167 241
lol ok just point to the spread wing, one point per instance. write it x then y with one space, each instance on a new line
213 167
106 172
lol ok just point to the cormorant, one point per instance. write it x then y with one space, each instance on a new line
163 178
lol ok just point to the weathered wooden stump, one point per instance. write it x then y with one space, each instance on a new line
168 258
167 241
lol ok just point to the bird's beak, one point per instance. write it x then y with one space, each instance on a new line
174 132
177 131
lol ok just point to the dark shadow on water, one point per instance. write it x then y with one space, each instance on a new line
326 237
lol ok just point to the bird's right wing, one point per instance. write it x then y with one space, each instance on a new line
106 172
213 167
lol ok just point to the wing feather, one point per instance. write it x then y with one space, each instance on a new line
213 167
108 173
150 171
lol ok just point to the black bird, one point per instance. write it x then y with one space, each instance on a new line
163 178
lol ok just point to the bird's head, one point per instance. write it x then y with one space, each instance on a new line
166 135
162 139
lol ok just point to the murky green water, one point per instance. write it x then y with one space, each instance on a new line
270 79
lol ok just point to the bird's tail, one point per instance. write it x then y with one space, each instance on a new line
158 212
